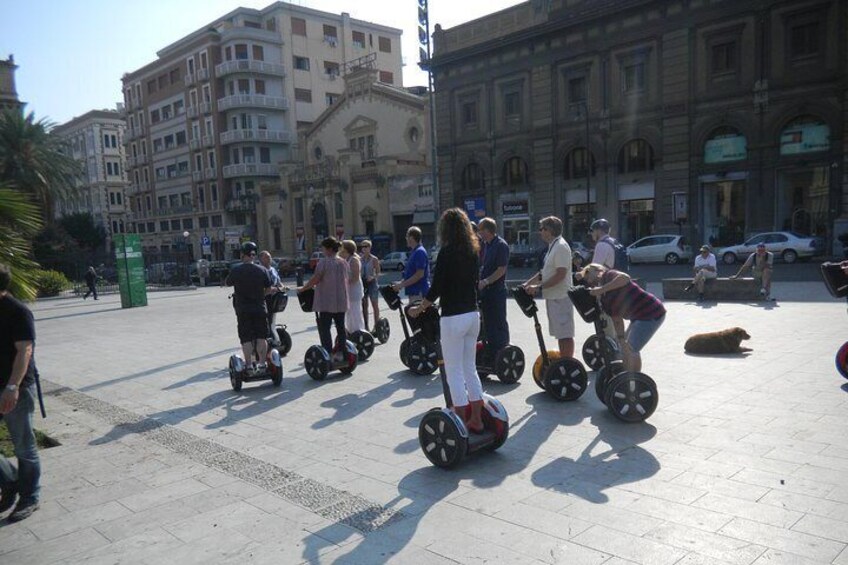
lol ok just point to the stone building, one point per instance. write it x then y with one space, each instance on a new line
8 93
364 171
710 118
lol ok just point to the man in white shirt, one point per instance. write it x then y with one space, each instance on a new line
705 268
553 281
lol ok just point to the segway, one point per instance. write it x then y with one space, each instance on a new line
279 336
416 352
507 363
241 372
564 378
382 330
629 395
364 343
836 282
318 361
442 434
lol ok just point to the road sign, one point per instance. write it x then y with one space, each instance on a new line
205 240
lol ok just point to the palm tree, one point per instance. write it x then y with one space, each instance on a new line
20 220
34 160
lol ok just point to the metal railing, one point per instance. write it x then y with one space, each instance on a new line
249 66
251 169
253 100
240 135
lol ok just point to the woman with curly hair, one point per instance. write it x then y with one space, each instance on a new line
455 284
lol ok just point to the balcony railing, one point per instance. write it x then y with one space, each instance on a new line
137 188
208 140
251 170
202 108
211 173
268 135
197 176
253 101
248 66
194 144
245 203
189 79
135 132
241 32
183 209
202 74
137 161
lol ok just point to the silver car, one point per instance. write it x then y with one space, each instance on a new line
669 249
785 245
394 261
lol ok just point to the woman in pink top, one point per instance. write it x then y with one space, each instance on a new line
331 298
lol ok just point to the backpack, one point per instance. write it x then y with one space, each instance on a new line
622 264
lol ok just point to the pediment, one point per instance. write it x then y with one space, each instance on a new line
359 123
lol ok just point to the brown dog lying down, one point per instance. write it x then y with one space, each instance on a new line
713 343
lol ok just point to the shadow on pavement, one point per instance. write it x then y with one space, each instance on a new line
92 313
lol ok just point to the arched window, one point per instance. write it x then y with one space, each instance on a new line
515 172
473 179
636 156
805 134
575 166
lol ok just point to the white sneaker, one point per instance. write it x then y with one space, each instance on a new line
762 292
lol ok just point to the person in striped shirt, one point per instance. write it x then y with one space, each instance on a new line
622 299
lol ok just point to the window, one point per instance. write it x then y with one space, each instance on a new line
723 58
171 171
339 207
217 221
118 197
244 86
249 154
241 51
264 155
112 198
636 156
164 226
188 224
166 113
634 77
253 25
359 39
804 40
211 158
154 116
203 221
277 238
160 173
162 82
385 44
387 77
331 68
261 122
301 63
182 168
179 108
331 98
148 205
169 141
469 114
213 193
302 95
259 86
515 172
141 228
258 53
298 26
331 35
151 86
575 164
203 59
577 90
175 225
174 76
181 138
512 104
190 65
425 190
151 227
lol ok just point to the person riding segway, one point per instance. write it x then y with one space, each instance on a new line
251 284
370 278
275 303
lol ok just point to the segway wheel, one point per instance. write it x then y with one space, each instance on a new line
538 368
601 380
632 397
285 341
352 356
509 364
422 356
593 355
382 330
235 378
404 352
566 379
276 376
842 360
364 343
441 440
317 363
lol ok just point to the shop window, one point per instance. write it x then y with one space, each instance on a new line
637 219
576 162
802 205
724 212
636 156
515 172
806 134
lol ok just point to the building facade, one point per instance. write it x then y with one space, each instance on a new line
96 140
210 120
709 118
8 93
359 160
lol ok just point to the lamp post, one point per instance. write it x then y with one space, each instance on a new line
424 63
186 235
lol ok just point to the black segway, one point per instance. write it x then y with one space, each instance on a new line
836 282
442 434
507 363
318 361
629 395
564 378
279 336
382 330
241 372
416 351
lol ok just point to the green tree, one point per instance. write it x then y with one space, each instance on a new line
83 230
20 221
34 160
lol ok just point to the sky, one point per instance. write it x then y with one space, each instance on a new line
72 53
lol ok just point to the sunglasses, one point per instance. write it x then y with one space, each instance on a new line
542 229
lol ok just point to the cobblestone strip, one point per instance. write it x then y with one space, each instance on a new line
331 503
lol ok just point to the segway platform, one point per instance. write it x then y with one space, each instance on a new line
241 373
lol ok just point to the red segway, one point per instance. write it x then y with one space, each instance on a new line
318 361
416 351
836 282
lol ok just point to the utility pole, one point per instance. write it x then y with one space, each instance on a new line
424 63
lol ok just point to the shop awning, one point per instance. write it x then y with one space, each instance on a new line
424 217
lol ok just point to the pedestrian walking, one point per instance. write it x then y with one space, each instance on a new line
91 281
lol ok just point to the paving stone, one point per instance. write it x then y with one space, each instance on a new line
360 514
310 494
626 546
64 547
806 545
722 548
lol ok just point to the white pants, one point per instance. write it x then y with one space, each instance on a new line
354 322
459 349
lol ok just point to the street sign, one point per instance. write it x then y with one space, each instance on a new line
205 240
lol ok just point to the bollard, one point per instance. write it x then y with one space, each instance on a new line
299 277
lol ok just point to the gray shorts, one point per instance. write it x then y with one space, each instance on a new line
560 317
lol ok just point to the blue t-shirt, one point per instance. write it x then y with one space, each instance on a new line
495 254
418 260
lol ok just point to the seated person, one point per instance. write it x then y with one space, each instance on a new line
761 263
705 268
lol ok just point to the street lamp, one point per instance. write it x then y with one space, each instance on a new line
424 64
186 235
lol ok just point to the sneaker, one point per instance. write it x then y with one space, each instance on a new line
7 498
262 367
23 511
763 292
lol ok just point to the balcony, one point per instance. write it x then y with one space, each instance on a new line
208 140
211 173
248 66
202 108
241 32
202 74
137 188
267 135
194 144
197 176
251 170
245 203
184 209
136 132
253 101
190 79
137 161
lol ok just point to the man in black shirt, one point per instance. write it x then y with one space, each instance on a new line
17 403
252 282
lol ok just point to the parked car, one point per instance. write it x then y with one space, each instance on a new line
669 249
580 254
785 245
394 261
285 265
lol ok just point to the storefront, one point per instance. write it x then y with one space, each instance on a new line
579 214
515 222
724 194
636 211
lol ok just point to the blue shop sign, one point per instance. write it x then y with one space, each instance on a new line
475 207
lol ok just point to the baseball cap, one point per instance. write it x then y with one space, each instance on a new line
763 245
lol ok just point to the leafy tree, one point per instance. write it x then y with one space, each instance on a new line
20 221
83 230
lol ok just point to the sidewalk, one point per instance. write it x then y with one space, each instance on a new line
743 462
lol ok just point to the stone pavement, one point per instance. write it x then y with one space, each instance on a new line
743 462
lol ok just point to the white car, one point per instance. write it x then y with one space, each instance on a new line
394 261
669 249
785 245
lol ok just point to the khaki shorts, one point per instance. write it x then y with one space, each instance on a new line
560 317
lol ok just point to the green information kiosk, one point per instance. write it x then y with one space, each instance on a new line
130 264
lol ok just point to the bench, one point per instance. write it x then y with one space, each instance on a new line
715 289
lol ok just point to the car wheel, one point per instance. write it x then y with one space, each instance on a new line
400 267
729 258
672 259
789 256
